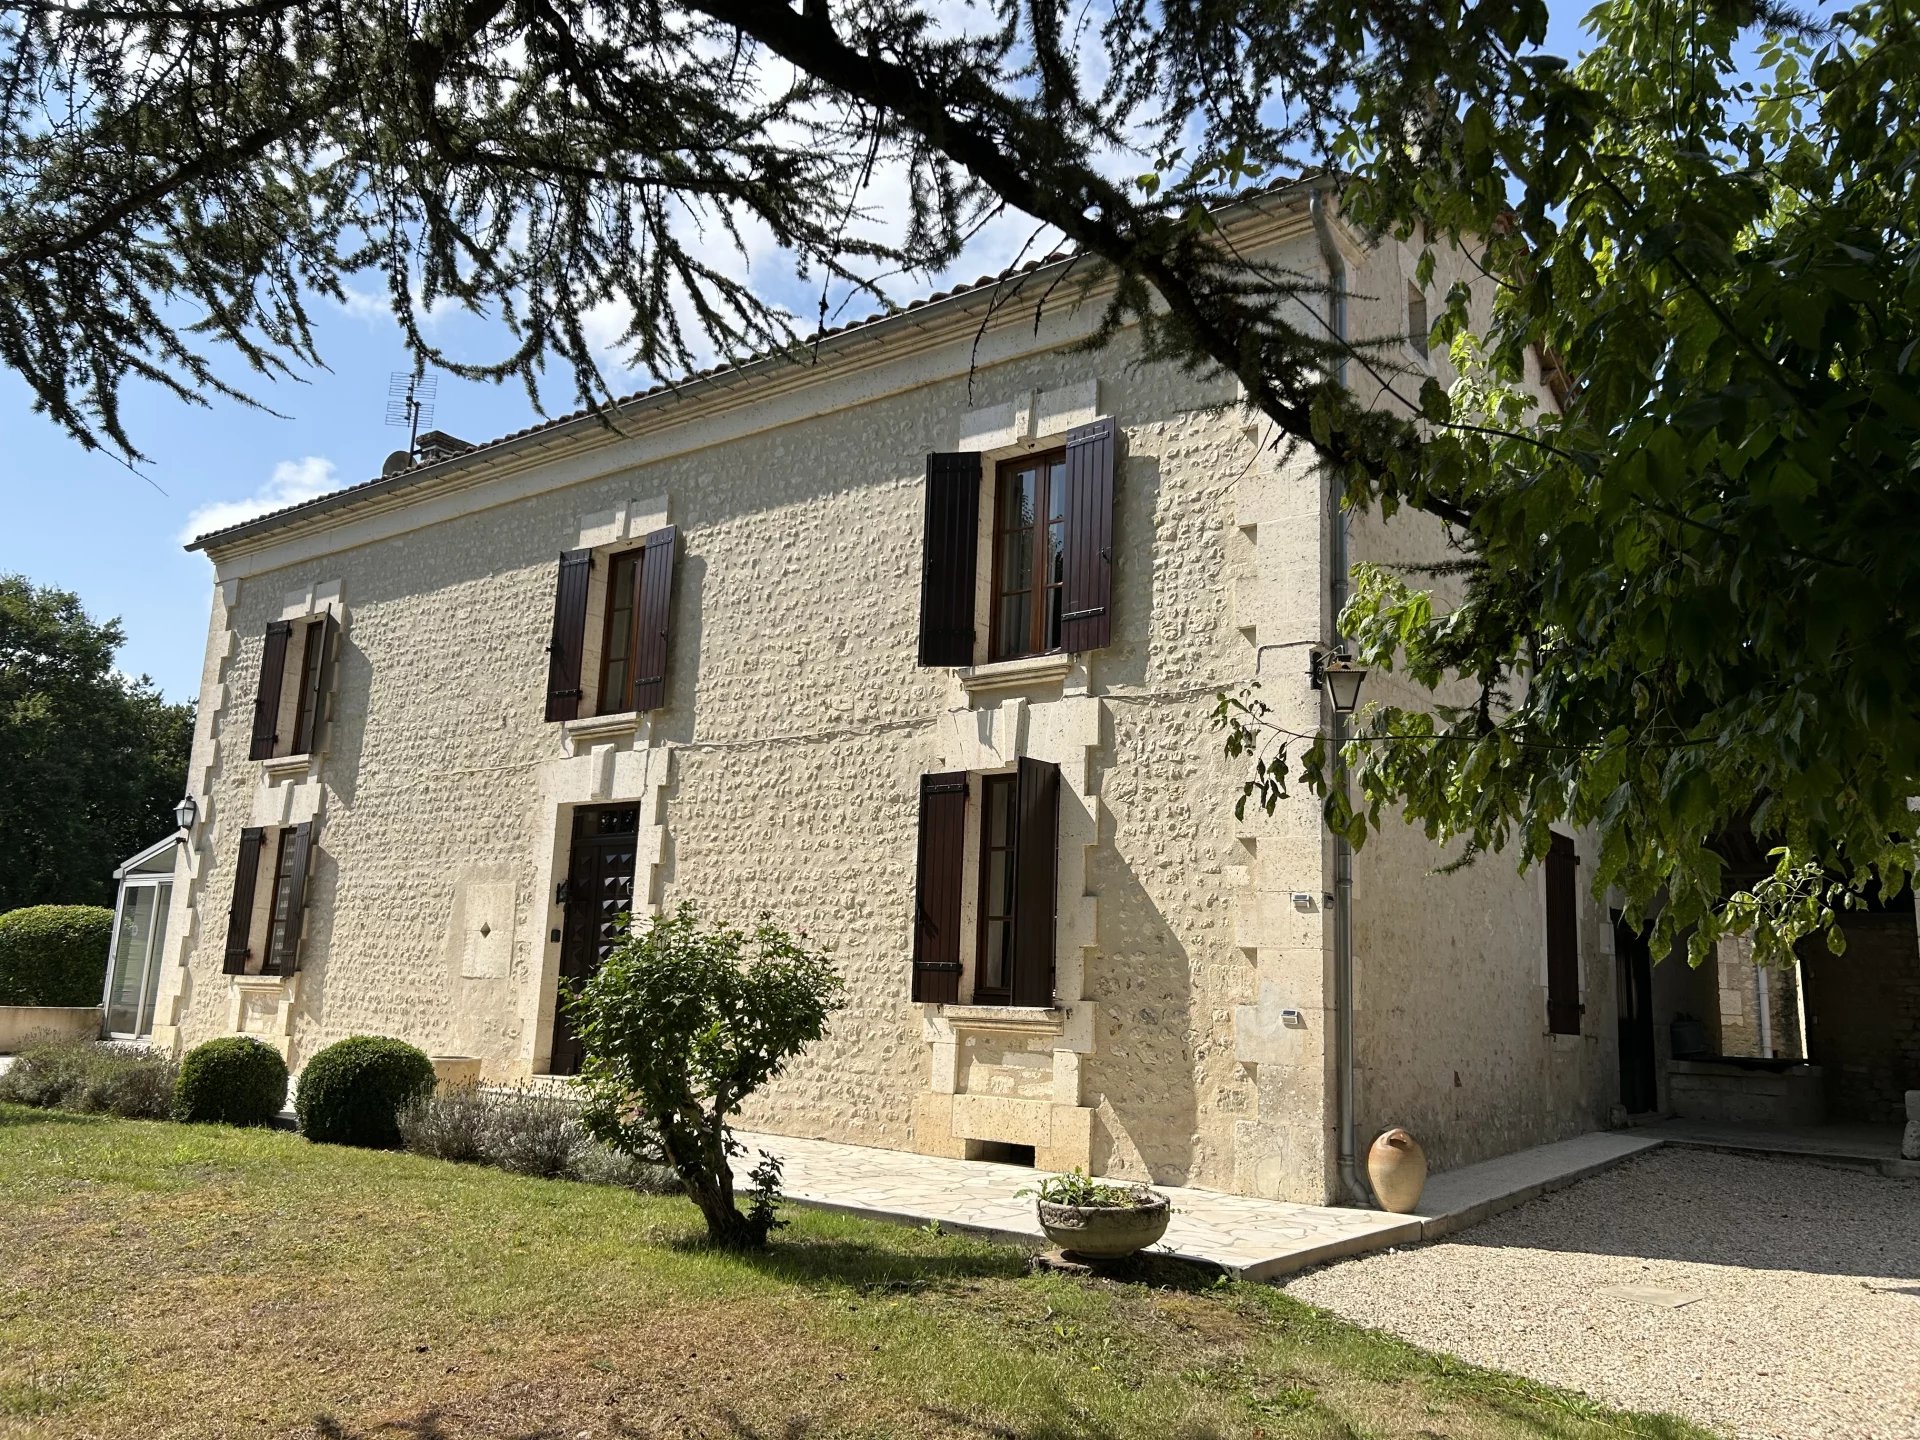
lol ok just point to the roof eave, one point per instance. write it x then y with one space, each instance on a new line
858 334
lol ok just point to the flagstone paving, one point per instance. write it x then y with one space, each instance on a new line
1246 1237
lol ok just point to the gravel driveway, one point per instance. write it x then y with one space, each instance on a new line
1769 1299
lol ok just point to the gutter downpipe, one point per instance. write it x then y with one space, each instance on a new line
1763 1011
1352 1190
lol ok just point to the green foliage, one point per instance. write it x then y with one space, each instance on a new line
131 1081
1685 605
352 1092
681 1024
91 762
54 954
1682 612
1076 1187
553 164
235 1080
525 1131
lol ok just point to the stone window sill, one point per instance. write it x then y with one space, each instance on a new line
1005 1019
283 767
263 984
1028 672
598 729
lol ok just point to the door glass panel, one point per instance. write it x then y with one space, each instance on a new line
616 679
1029 558
996 888
1056 560
130 959
1014 516
284 929
156 944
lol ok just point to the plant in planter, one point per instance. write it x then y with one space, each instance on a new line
1097 1221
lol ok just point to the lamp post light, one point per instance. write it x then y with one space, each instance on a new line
1333 672
186 812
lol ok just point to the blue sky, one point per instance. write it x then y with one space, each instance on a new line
83 522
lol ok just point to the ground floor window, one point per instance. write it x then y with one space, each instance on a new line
265 927
1014 816
994 972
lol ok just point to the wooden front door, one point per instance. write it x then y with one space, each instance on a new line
599 894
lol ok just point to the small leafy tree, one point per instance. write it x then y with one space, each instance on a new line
681 1024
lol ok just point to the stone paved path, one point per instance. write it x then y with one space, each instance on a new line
1253 1239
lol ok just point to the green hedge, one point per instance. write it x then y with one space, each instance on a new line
352 1092
234 1080
54 954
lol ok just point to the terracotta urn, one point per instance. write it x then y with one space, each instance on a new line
1106 1232
1397 1169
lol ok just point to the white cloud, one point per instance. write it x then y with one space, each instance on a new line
292 481
366 305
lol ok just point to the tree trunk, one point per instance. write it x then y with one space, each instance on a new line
701 1162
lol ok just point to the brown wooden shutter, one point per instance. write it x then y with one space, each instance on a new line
937 891
322 643
266 703
286 946
949 559
1085 621
1036 845
655 603
569 635
246 875
1563 939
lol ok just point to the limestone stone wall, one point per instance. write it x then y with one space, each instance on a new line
1189 1040
1450 970
781 774
1863 1015
1743 1025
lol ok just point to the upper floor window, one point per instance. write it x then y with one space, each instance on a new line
1563 937
1418 328
625 655
621 642
1049 579
290 706
1029 550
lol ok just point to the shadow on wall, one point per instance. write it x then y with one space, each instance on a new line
1136 496
1863 1013
688 609
1142 1067
1746 1211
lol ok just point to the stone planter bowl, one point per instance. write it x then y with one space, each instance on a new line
1106 1232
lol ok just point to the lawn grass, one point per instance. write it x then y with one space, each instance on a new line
168 1280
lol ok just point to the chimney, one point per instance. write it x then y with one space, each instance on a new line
435 445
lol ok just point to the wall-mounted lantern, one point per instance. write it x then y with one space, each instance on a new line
1333 672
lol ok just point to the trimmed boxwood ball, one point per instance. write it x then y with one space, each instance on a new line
234 1080
54 954
352 1092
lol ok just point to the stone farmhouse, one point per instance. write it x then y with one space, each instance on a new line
914 646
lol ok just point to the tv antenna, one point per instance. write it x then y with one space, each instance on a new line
410 396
